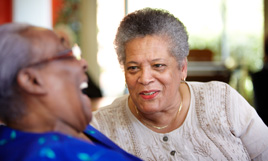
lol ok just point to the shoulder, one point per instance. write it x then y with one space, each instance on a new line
211 83
75 149
46 146
216 91
116 106
209 87
54 146
210 98
108 117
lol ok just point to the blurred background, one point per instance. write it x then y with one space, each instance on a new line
226 36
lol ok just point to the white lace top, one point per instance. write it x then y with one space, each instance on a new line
230 131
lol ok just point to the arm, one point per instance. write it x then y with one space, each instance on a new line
247 125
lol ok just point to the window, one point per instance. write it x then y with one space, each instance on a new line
232 29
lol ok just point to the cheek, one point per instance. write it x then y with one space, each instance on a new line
170 79
87 107
130 80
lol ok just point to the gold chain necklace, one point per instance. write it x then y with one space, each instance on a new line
158 127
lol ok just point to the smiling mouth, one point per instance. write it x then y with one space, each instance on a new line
83 85
148 94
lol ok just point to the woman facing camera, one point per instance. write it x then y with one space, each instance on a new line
166 118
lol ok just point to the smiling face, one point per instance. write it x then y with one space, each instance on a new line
152 74
61 81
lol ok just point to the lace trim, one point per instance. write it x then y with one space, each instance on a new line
130 128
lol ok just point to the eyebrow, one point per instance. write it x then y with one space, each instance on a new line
154 60
131 62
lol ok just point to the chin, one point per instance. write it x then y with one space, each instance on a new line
83 126
87 117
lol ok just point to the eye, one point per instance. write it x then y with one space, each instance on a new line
132 68
159 66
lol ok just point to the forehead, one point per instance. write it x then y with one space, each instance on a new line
44 42
148 46
40 35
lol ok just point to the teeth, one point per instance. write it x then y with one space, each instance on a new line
149 93
83 85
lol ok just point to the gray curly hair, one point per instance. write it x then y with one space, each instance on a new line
14 54
157 22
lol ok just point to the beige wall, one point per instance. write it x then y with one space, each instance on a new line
265 17
89 45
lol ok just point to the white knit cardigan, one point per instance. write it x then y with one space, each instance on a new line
220 125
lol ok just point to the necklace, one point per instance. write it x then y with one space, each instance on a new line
158 127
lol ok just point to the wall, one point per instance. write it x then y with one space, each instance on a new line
265 17
5 11
88 37
35 12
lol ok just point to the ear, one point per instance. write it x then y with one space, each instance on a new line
30 81
184 68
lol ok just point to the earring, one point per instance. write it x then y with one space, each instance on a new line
183 80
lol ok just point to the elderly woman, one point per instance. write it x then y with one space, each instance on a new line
166 118
45 113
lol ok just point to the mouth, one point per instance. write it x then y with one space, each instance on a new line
149 94
83 85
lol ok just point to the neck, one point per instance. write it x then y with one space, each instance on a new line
158 127
163 121
41 123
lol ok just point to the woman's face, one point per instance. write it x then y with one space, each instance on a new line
152 74
62 79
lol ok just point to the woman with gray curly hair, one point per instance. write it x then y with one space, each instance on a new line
45 113
166 118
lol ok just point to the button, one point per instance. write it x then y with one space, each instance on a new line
165 138
172 152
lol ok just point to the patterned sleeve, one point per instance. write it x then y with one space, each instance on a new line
247 125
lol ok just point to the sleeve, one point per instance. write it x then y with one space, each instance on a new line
94 121
247 125
262 157
78 150
101 122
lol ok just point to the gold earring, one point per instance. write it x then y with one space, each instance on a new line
183 80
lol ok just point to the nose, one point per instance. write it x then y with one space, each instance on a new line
146 77
84 64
